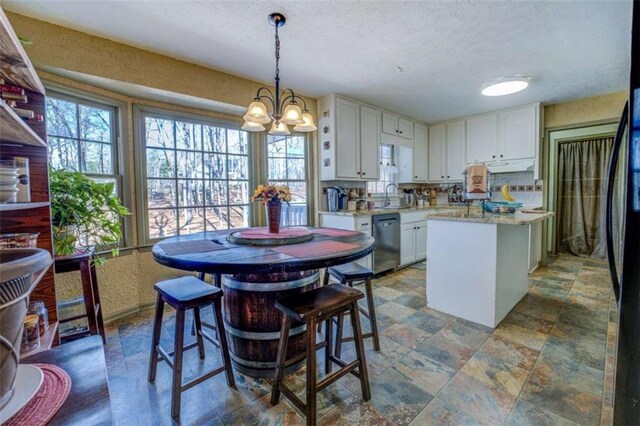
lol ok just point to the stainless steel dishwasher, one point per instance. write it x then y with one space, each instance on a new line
386 231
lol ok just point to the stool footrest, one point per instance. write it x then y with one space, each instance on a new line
210 338
343 364
201 379
294 398
336 375
164 356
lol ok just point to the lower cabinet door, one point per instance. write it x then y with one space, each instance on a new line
421 241
407 244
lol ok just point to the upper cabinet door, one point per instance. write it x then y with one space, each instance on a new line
436 152
420 144
455 150
347 139
518 133
405 128
482 138
390 124
369 143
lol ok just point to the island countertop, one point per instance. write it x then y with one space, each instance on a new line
517 218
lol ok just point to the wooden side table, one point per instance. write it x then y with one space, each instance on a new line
83 262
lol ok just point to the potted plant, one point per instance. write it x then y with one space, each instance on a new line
272 196
84 214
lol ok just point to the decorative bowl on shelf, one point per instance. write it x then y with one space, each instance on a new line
502 207
17 267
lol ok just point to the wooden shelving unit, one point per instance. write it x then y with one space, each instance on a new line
19 138
10 207
46 341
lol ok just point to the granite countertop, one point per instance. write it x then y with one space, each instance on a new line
517 218
390 210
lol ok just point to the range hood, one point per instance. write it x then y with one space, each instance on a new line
509 166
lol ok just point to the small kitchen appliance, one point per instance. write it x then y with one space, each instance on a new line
336 198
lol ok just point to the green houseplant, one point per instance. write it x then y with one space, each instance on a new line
84 213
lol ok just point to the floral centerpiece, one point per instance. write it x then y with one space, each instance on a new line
272 196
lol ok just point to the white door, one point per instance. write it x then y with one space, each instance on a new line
436 153
369 143
421 240
518 136
389 124
405 128
482 138
420 143
455 150
347 139
407 244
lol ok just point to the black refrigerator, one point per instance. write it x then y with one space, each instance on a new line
623 242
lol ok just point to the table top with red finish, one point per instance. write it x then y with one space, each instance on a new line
211 252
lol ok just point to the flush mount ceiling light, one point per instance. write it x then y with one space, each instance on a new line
284 112
506 86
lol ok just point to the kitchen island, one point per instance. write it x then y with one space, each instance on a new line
477 265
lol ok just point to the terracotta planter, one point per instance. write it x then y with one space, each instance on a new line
274 210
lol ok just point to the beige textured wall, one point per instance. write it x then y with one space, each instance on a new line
592 110
126 282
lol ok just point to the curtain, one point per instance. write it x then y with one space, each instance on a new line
582 186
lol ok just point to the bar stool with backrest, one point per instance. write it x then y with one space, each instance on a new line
311 308
183 294
348 274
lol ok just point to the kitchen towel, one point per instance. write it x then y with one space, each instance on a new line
477 182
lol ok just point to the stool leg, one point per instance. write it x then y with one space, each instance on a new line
372 314
155 340
311 373
198 325
176 384
325 282
328 338
281 358
224 347
96 301
339 327
87 290
357 334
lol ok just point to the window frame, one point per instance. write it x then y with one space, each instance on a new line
121 161
308 160
396 177
140 112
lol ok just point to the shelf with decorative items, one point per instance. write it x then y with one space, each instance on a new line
285 110
24 168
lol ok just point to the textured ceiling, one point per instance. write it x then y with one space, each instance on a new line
447 50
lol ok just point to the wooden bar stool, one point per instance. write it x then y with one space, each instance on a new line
348 274
182 294
310 308
83 262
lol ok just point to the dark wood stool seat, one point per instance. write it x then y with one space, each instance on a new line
348 274
182 294
311 308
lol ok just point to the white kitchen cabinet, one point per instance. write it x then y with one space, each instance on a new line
349 147
421 240
397 126
518 133
369 143
347 139
455 150
412 162
407 244
436 153
360 223
413 237
481 138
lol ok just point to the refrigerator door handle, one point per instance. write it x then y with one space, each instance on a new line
615 153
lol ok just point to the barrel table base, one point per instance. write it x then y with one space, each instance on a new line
253 323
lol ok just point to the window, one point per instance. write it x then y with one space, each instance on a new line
82 136
196 176
287 165
388 170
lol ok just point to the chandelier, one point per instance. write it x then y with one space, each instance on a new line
285 112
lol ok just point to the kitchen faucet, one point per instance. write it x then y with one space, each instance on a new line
386 194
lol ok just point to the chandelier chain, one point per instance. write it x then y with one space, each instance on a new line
277 55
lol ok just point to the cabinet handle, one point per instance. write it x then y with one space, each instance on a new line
501 155
415 177
364 173
441 177
400 131
358 173
493 156
448 177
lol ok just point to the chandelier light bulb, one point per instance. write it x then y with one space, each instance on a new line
292 114
278 128
251 126
308 125
257 113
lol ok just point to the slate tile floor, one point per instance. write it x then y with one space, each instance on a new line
550 362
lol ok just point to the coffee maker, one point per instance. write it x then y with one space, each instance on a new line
336 198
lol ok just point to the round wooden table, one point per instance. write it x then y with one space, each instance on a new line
254 277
